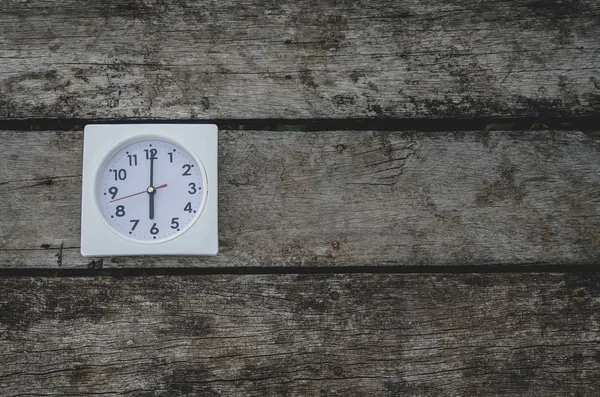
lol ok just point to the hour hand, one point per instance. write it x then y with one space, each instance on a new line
152 205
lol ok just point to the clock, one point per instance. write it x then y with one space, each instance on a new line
149 189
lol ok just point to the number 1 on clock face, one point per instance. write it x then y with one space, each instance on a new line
151 190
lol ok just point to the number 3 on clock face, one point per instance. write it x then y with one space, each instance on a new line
150 190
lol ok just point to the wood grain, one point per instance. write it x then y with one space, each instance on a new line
340 198
192 59
302 335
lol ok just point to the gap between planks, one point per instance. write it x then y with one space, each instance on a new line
324 125
95 270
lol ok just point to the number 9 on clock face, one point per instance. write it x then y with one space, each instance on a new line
151 190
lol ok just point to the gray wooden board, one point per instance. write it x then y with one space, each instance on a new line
193 59
302 335
340 198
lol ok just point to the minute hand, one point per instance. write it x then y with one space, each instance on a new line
151 170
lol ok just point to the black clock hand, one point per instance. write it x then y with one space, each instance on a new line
151 170
151 188
152 205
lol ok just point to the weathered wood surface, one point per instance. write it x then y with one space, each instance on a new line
340 198
298 59
302 335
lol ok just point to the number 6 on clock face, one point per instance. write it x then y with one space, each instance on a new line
150 189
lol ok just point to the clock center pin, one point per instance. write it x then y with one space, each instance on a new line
151 189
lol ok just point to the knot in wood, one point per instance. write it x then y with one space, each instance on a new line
578 293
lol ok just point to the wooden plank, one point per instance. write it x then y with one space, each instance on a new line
302 335
340 198
302 59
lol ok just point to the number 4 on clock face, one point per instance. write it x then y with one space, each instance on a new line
151 190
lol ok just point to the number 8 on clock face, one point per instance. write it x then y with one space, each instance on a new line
151 190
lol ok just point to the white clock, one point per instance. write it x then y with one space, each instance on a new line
149 189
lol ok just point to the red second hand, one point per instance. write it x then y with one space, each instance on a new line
135 194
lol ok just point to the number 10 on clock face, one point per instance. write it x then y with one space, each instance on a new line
151 190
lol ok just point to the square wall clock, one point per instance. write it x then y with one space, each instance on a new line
149 189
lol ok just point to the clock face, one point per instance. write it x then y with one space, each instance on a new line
150 190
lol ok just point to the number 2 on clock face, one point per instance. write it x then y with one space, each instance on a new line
151 190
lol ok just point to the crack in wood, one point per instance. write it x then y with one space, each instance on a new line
59 256
47 180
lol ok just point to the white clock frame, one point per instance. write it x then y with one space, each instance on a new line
100 141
